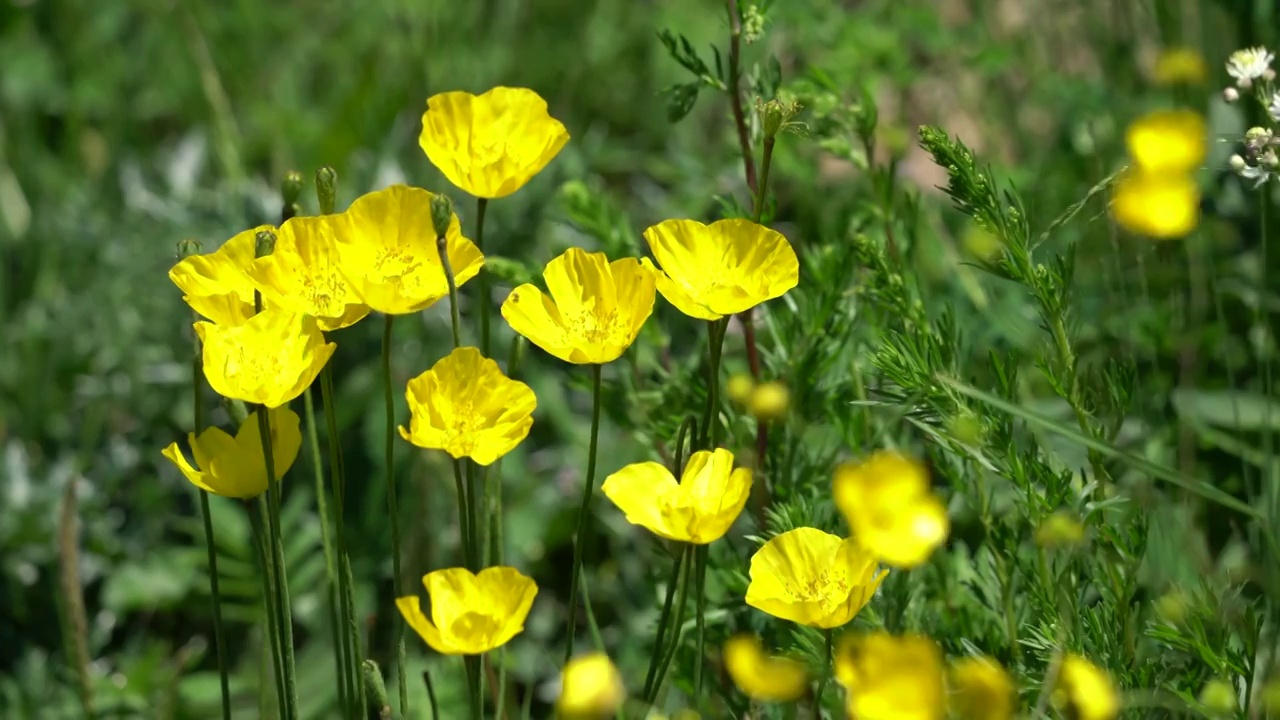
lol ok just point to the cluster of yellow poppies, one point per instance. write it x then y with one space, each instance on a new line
1158 195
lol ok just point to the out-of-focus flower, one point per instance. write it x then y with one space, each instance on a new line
812 578
760 676
490 144
386 247
739 388
891 678
1163 207
980 690
217 284
235 467
1061 529
770 400
465 406
269 359
1085 690
303 275
1168 141
590 688
709 271
470 614
1218 696
1249 64
699 509
594 311
1180 65
888 504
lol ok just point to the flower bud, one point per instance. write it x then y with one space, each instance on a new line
1218 696
377 689
291 187
1061 529
188 247
739 388
1269 74
441 214
1172 607
1244 83
326 188
776 115
1230 94
769 401
264 243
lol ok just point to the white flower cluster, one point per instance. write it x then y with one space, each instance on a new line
1252 71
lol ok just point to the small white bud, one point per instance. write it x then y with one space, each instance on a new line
1269 74
1244 83
1230 94
1237 163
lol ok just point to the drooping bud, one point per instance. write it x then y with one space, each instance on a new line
326 188
1230 94
188 247
264 243
441 214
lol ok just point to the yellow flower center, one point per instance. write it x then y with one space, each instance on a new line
829 589
596 327
462 429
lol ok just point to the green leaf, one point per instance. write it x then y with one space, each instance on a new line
680 101
1233 409
160 581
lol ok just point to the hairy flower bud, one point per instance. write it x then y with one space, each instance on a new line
326 188
188 247
264 244
441 214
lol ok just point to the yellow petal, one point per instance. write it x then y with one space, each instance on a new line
888 504
1086 689
678 296
217 284
194 476
303 274
533 314
1161 206
492 144
761 677
590 688
638 491
980 690
511 595
467 407
477 613
411 609
715 493
386 246
1168 141
286 440
269 359
811 577
1180 66
891 678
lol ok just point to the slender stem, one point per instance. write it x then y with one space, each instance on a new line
681 600
766 161
443 249
219 638
735 95
326 538
284 610
826 675
710 418
393 509
664 618
483 281
431 695
476 513
474 690
584 511
749 333
700 612
464 517
500 702
259 523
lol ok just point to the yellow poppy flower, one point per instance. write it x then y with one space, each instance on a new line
709 271
891 678
470 614
269 359
1168 141
302 275
590 688
980 690
234 466
217 284
699 509
887 501
465 406
594 312
1163 206
1086 690
1180 65
761 676
386 247
490 144
812 578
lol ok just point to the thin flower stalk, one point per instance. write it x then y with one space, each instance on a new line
825 676
259 522
584 510
393 509
682 597
482 204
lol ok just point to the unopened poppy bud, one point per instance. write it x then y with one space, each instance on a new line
1060 529
291 187
739 388
1218 696
377 689
264 243
326 188
188 247
441 214
769 401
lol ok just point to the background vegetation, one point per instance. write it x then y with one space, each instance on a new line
127 126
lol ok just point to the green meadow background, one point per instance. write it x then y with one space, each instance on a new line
130 125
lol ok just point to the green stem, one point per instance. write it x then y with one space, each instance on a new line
766 161
284 610
259 523
474 698
664 619
681 601
710 418
431 695
464 517
584 510
443 249
483 281
326 538
700 612
219 638
825 676
476 513
393 509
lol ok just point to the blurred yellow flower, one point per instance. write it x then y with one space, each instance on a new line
1168 141
770 400
739 388
761 676
269 359
386 247
812 578
590 688
490 144
889 506
980 690
1180 65
1061 529
470 614
595 309
891 678
234 467
1159 206
709 271
699 509
1086 690
465 406
303 275
1219 696
217 284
